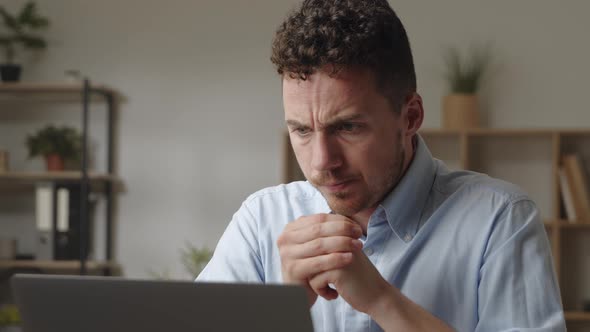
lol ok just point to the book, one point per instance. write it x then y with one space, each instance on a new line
567 196
576 178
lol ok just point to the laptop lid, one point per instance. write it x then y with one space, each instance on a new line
50 303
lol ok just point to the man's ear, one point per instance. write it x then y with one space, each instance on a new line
413 114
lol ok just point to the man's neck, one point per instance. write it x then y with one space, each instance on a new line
363 217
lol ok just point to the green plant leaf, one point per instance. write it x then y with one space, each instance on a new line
27 13
9 315
32 42
30 17
464 74
9 20
194 259
5 40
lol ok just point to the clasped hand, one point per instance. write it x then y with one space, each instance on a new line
323 249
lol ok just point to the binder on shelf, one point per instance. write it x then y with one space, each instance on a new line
567 196
578 185
68 222
44 221
63 206
58 220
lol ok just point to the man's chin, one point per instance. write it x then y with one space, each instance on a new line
343 203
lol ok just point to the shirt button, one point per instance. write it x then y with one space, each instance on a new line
407 238
368 251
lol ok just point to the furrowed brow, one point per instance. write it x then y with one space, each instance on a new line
345 119
296 124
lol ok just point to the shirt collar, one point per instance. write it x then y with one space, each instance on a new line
404 204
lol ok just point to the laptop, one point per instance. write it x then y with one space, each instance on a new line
50 303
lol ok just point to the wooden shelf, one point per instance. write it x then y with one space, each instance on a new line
49 87
578 225
56 265
566 224
577 316
55 176
499 132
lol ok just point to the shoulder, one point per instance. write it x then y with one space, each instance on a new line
477 186
286 201
298 190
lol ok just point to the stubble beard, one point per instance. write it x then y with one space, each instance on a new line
345 203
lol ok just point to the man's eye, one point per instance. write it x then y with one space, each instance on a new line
302 131
348 127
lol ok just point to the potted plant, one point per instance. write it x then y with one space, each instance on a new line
195 259
464 75
19 30
9 318
56 145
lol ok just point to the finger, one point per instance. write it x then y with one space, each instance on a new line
319 230
327 293
303 269
321 246
320 284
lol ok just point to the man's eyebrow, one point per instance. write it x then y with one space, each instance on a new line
333 122
344 119
295 123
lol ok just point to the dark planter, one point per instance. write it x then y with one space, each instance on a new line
10 73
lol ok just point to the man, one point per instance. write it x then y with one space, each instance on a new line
383 236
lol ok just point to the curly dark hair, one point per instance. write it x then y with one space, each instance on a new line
347 33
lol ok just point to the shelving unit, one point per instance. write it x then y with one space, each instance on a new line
85 93
54 176
56 265
529 158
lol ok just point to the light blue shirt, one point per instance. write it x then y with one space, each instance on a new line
468 248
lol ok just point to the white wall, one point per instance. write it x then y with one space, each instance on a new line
201 125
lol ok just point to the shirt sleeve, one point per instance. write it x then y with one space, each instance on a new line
237 255
518 289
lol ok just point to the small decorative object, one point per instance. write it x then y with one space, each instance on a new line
195 259
460 107
19 31
9 318
56 145
3 161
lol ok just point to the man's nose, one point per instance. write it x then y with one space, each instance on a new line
326 153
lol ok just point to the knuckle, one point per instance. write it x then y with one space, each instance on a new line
317 246
282 251
281 240
342 258
317 265
290 269
346 243
316 230
353 229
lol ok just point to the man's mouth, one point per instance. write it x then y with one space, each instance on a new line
336 186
